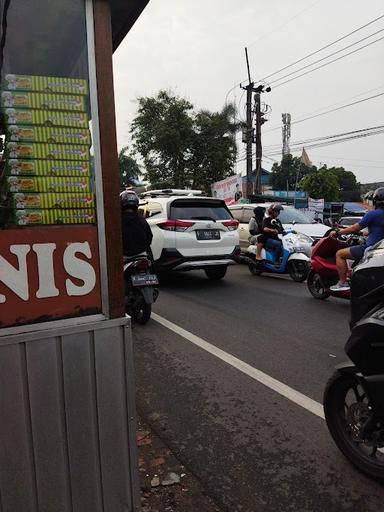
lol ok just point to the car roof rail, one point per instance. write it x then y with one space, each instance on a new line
171 192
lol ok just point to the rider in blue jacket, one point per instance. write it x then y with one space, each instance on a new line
374 221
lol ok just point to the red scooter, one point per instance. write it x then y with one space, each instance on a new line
323 272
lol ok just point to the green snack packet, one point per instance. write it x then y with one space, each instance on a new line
45 117
25 133
39 101
37 216
43 184
54 84
15 167
46 151
26 200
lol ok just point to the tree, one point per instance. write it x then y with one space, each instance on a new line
348 185
163 135
322 184
214 149
287 172
129 169
181 147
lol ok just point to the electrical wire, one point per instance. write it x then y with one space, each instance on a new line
326 57
328 111
331 142
316 139
330 62
324 47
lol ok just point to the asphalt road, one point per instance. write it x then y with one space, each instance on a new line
253 449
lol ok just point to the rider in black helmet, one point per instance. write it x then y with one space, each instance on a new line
374 221
137 235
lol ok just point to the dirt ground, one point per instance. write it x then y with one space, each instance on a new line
166 485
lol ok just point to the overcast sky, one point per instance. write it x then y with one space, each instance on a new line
196 48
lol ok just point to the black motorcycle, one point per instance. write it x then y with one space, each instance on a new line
140 291
354 396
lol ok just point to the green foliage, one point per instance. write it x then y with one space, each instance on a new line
348 185
181 147
129 169
321 184
288 171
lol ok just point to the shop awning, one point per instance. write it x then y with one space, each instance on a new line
124 14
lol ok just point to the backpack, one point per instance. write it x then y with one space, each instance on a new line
253 228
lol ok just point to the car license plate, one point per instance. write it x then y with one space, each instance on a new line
207 234
144 280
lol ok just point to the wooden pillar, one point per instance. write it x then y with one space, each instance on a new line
109 158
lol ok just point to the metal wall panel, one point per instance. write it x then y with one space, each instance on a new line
67 429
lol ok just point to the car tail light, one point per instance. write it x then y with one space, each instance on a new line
142 265
231 225
175 225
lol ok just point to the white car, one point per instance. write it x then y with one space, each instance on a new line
191 232
290 217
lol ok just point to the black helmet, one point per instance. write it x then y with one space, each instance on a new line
378 198
129 199
276 207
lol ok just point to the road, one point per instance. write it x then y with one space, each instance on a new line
256 445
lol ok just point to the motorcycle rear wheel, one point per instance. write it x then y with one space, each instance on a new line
298 270
142 313
316 286
347 408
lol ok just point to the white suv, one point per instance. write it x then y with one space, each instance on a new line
191 232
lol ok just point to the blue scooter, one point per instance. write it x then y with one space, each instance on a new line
294 260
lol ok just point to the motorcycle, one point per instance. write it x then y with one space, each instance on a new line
294 261
354 395
140 291
323 272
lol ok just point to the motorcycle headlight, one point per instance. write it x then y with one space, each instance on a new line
304 239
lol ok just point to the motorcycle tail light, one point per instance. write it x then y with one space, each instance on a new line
142 265
231 225
175 225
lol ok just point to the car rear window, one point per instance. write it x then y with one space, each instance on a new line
199 210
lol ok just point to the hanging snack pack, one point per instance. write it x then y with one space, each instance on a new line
46 151
53 84
44 184
17 166
37 217
25 200
21 133
45 118
9 99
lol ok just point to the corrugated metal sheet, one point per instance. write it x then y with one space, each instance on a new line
67 427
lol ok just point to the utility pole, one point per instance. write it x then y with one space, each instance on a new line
249 139
249 129
259 149
248 133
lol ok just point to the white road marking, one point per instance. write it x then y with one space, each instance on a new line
284 390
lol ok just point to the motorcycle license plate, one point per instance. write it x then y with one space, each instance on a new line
207 234
144 280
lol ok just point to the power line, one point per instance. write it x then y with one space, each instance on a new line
327 56
329 111
324 47
330 62
326 137
332 142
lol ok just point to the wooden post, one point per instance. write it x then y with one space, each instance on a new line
109 158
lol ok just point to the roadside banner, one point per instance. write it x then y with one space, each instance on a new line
229 189
316 208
